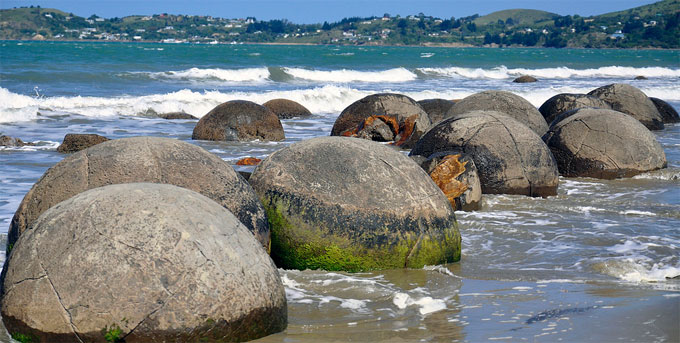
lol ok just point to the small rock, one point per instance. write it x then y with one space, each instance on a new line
525 79
248 161
176 115
12 142
74 142
640 77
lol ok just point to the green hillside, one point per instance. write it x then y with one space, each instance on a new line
665 7
518 16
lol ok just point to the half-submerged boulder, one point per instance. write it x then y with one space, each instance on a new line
12 142
630 100
507 103
455 174
603 144
239 120
176 115
525 79
339 203
286 109
74 142
510 158
436 108
140 262
668 113
143 159
565 102
383 117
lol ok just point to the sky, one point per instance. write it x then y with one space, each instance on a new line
318 11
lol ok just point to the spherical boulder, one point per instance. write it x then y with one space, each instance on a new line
143 159
239 120
603 144
383 117
455 174
340 203
140 262
286 109
74 142
564 102
630 100
668 113
510 158
436 108
506 103
525 79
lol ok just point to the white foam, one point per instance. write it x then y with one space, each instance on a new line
630 246
16 107
229 75
636 270
503 72
637 213
348 75
426 305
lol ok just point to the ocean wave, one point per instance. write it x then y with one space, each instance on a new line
348 75
503 72
215 74
635 270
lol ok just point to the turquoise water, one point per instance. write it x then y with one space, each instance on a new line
596 255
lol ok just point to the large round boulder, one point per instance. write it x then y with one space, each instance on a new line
604 144
239 120
286 109
510 158
436 108
564 102
668 113
383 117
340 203
630 100
143 159
140 262
506 103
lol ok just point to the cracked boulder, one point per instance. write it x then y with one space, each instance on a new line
507 103
239 120
561 103
604 144
510 158
436 108
140 262
142 159
630 100
340 203
668 113
456 175
401 115
286 109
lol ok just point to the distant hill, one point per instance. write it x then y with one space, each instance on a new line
658 8
518 16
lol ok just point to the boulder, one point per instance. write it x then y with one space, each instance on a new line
401 115
455 174
510 158
668 113
12 142
340 203
640 77
143 159
603 144
140 262
286 109
436 108
506 103
239 120
176 115
564 102
525 79
630 100
74 142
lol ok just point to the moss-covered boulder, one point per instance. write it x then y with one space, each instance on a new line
143 159
507 103
630 100
565 102
140 262
239 120
436 108
510 158
668 113
340 203
603 144
383 117
286 109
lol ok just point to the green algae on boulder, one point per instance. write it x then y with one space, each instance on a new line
340 203
140 262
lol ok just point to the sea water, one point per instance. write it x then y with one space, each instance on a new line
594 263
